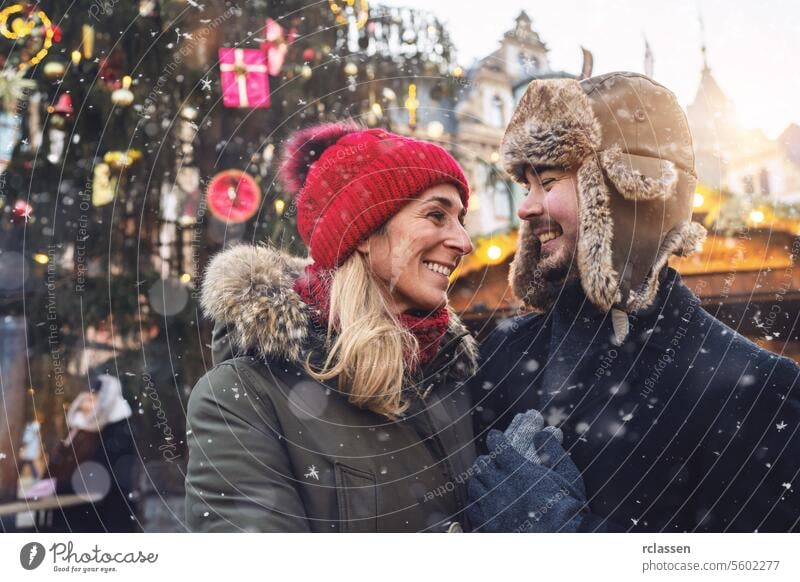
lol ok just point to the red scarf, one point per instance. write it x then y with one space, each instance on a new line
429 329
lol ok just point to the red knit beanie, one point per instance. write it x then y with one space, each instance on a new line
349 181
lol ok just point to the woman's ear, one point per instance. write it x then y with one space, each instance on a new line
363 247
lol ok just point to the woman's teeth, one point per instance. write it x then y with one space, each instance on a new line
437 268
547 236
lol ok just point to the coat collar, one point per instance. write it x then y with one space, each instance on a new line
248 291
578 320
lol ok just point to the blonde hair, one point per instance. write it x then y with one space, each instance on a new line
370 345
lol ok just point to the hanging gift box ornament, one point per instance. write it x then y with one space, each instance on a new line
233 196
243 73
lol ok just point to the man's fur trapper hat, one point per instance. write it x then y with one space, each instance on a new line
629 141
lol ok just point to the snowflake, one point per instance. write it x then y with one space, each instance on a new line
787 485
206 83
312 473
780 426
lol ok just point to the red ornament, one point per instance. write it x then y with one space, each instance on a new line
22 209
233 196
244 78
64 105
308 55
56 32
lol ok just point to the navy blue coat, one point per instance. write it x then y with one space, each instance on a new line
688 426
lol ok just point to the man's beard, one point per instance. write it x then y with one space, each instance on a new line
537 280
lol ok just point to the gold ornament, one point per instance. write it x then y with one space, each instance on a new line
54 69
87 41
119 160
362 13
21 28
123 96
351 69
412 103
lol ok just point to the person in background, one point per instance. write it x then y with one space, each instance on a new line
97 458
31 445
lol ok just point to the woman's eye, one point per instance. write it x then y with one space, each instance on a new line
437 216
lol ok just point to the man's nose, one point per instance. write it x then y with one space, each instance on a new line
532 205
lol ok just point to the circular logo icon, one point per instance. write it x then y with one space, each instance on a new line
31 555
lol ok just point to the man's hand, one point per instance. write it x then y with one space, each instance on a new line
527 482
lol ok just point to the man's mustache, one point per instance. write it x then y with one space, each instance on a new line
543 224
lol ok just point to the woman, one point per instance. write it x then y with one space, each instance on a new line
97 457
336 400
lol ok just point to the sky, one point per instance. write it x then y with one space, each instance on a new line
753 47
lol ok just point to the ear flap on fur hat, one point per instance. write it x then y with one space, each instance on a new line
596 232
639 177
305 147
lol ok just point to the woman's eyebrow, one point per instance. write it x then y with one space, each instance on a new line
446 202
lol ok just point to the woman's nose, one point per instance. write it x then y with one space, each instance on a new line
460 240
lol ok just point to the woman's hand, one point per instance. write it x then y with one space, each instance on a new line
527 482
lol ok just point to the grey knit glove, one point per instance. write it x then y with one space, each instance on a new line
541 445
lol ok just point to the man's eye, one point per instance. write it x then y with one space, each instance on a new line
547 183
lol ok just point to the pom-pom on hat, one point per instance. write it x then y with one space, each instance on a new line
349 181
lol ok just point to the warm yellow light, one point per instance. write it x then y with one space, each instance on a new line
757 216
185 278
494 252
279 206
698 200
495 157
377 110
435 129
41 258
458 72
76 57
412 103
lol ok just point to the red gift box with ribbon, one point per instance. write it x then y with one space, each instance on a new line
245 82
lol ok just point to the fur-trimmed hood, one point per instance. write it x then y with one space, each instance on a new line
249 292
630 144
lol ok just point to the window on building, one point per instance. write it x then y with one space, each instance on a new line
763 181
747 183
496 117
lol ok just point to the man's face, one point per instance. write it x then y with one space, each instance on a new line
551 209
546 256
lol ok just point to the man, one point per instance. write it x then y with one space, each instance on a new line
670 420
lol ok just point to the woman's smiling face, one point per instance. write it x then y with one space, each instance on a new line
418 248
